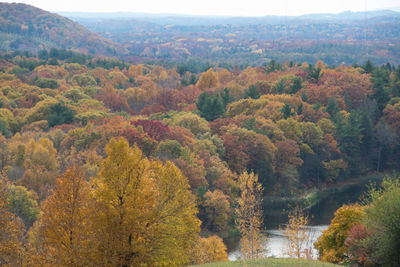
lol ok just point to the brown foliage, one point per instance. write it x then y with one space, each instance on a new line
288 154
113 101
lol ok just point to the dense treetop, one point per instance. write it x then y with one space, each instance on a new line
298 127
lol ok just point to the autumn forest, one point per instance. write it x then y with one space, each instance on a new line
106 162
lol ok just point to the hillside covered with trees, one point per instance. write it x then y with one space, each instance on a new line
105 162
27 28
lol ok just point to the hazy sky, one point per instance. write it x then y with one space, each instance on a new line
215 7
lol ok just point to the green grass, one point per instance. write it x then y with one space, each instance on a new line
270 262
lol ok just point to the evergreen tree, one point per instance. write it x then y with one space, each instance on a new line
252 92
381 93
202 102
60 114
273 66
287 111
304 97
368 140
332 108
226 97
216 108
300 109
210 107
296 85
280 86
349 134
314 73
396 83
368 66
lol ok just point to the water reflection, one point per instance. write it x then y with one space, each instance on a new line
277 242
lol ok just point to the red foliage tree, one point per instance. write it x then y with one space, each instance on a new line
155 129
358 252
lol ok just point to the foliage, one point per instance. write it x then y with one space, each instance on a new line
287 111
64 226
252 92
208 80
299 135
249 214
141 210
381 221
60 114
210 249
210 107
358 250
113 101
84 80
47 83
193 123
299 245
23 203
218 210
35 29
40 163
331 245
11 232
169 149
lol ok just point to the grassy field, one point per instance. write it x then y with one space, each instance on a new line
270 262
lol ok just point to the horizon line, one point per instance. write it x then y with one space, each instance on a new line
393 9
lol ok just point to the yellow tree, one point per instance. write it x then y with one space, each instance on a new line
249 212
210 249
63 228
176 220
299 244
145 211
331 244
135 71
125 195
11 233
40 163
208 80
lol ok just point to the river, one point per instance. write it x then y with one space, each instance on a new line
321 214
276 243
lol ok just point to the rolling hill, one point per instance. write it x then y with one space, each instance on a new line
27 28
344 38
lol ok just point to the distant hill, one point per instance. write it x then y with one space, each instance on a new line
24 27
343 38
187 20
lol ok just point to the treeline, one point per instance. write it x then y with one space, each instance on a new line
297 126
54 55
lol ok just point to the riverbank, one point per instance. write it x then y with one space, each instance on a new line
270 262
320 203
